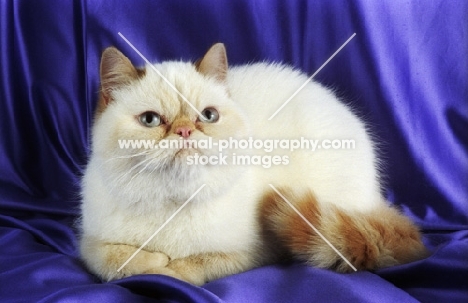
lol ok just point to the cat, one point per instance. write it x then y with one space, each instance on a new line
240 218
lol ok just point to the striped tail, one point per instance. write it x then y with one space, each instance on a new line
329 237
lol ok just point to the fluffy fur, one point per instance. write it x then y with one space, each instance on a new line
236 222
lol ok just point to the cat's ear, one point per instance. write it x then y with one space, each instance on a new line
214 63
116 71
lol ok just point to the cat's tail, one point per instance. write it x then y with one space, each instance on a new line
376 239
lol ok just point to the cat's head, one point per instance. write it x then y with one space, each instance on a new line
162 103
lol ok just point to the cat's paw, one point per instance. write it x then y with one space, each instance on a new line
190 272
180 269
115 261
148 259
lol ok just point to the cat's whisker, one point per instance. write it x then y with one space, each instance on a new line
129 172
121 177
155 167
152 161
143 169
160 165
145 152
137 165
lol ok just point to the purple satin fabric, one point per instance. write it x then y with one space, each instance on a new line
405 73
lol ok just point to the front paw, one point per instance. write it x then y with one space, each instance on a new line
152 259
119 261
188 270
179 269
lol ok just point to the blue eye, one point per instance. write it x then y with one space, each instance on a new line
210 115
150 119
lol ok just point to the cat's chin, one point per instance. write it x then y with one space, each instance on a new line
183 153
183 161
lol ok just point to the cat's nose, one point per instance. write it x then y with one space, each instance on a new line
183 131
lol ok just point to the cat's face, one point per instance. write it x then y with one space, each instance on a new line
139 105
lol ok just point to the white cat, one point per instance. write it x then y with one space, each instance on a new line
236 221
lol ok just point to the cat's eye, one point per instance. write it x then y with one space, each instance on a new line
150 119
210 115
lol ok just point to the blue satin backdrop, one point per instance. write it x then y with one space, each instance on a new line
405 72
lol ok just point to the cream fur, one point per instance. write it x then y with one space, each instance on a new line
126 205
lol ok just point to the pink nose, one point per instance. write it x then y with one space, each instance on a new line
183 131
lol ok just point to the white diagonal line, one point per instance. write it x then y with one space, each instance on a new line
160 228
161 75
313 227
310 78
